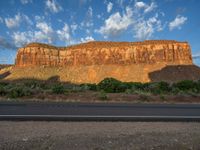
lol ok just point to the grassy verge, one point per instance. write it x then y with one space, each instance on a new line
144 92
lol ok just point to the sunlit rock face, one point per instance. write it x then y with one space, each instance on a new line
102 53
127 61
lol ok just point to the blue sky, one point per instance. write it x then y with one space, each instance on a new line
67 22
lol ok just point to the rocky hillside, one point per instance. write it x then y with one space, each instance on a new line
92 62
2 66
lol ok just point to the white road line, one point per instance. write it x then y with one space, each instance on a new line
98 116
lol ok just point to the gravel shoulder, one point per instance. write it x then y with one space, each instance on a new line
99 135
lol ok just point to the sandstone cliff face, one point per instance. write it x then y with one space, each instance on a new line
92 62
105 53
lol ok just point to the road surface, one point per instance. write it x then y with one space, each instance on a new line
99 111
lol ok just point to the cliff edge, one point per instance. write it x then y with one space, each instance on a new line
104 53
91 62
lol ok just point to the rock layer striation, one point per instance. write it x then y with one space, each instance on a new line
103 53
93 61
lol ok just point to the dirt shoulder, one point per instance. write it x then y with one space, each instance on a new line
99 135
92 96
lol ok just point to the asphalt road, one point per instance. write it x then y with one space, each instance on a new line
99 111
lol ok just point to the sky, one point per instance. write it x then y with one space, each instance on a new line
68 22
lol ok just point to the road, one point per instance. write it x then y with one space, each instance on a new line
99 111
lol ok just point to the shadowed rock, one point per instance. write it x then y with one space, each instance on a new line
176 73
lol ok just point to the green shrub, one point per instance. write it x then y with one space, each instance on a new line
175 90
198 86
186 85
128 91
158 87
2 91
16 92
146 86
133 85
164 86
77 89
58 89
31 84
102 95
111 85
137 86
39 85
3 84
88 86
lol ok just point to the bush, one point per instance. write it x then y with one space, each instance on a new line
2 91
102 95
34 84
137 86
186 85
159 87
164 86
19 92
58 89
31 84
88 86
198 85
128 91
77 89
3 84
111 85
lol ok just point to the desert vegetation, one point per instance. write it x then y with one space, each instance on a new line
144 91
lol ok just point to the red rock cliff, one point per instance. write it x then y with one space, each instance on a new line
92 62
105 53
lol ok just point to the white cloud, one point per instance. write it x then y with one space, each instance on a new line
17 20
144 29
147 8
45 32
109 7
39 18
137 19
74 27
120 2
88 21
90 11
44 27
140 5
53 6
65 35
196 56
27 19
26 1
87 39
13 22
42 33
150 7
116 23
177 22
22 38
